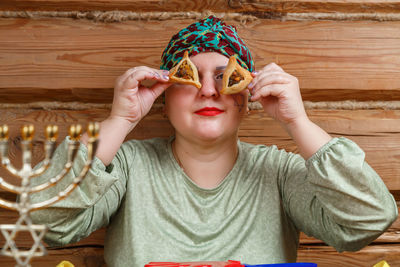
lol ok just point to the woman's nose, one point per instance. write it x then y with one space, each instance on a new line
208 87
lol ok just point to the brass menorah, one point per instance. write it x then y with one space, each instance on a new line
23 204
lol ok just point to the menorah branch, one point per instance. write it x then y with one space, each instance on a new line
77 180
9 187
73 147
72 150
8 205
49 149
5 161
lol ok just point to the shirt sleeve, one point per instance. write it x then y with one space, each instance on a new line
90 206
336 196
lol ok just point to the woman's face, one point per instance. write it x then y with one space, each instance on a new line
204 113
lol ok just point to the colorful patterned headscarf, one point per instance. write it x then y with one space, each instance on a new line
207 35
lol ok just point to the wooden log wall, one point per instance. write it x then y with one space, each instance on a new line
59 60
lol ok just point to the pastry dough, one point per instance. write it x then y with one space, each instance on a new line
185 72
236 78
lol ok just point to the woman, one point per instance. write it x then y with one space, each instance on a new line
203 194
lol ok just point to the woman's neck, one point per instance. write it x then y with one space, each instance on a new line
206 163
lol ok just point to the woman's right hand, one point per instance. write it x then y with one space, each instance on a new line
132 101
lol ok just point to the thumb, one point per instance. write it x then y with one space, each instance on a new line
159 88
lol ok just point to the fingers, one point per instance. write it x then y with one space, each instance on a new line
267 90
132 77
268 84
270 81
140 69
272 67
159 88
269 78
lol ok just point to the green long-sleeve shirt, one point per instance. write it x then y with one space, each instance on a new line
154 212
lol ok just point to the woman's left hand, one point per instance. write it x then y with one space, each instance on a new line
279 94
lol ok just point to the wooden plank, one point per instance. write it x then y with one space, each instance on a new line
361 125
375 131
96 239
370 133
396 195
126 5
324 256
45 58
367 257
281 6
392 235
330 6
382 146
80 257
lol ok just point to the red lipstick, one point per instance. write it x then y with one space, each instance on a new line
209 111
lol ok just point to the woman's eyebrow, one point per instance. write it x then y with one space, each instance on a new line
220 68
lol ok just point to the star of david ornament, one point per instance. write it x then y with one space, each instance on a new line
24 224
10 231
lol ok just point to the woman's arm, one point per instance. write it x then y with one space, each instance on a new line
99 195
279 94
91 205
308 136
131 102
335 195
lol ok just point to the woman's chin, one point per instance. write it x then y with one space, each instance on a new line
207 137
207 130
210 134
